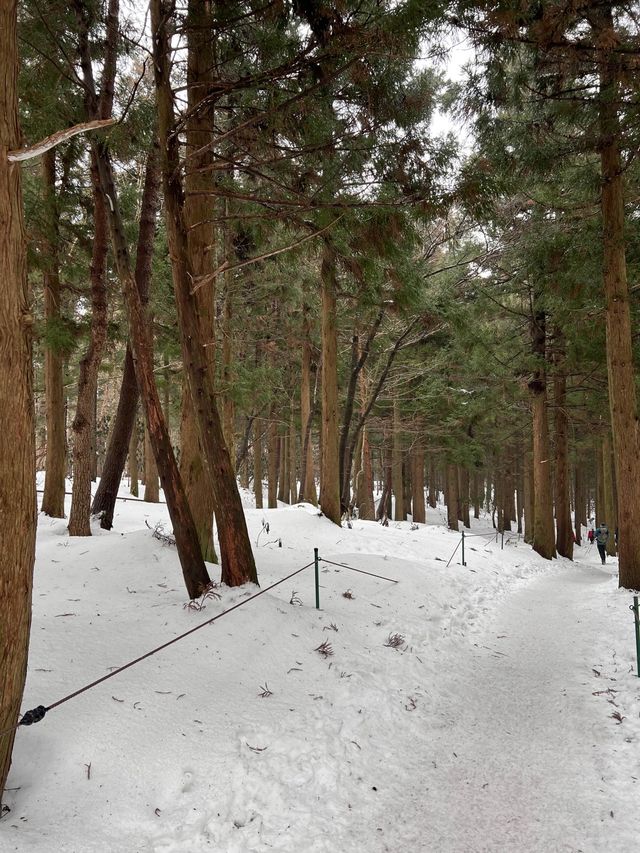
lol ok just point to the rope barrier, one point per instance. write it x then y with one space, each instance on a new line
36 714
362 572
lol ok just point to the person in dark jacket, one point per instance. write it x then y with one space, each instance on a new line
601 534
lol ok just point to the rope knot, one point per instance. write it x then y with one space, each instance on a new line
33 716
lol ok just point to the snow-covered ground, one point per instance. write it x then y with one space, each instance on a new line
487 707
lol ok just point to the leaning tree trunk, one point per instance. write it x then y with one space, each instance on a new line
620 363
194 570
330 464
238 565
55 464
84 420
543 528
104 500
17 442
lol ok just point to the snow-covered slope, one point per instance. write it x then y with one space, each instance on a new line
462 708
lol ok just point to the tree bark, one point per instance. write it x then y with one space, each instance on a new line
543 527
55 464
237 561
417 482
620 364
309 492
257 461
151 490
452 497
609 516
194 570
330 467
17 441
84 420
202 240
396 472
564 529
104 500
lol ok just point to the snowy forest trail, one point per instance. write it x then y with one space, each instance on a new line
518 762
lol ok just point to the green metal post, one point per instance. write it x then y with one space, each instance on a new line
636 617
463 562
316 559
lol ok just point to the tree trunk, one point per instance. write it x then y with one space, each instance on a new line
620 364
309 493
433 488
283 478
543 527
84 420
228 405
257 461
17 442
609 504
464 496
55 464
194 570
238 565
272 461
366 506
579 501
293 479
104 500
528 498
564 530
417 482
202 240
396 474
452 497
133 456
151 490
330 467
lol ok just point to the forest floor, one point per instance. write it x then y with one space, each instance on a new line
490 707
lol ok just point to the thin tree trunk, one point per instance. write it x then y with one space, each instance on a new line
228 406
417 482
133 456
283 479
433 488
366 506
528 498
272 461
55 464
564 530
330 467
620 363
579 502
17 441
607 483
237 561
543 528
397 482
151 490
452 497
464 497
293 480
309 492
104 500
257 461
84 420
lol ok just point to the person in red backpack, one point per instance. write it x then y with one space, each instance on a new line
590 535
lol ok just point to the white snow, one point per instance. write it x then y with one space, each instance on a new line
491 727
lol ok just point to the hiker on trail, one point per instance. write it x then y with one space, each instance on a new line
590 535
602 537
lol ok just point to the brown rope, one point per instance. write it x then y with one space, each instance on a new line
362 572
